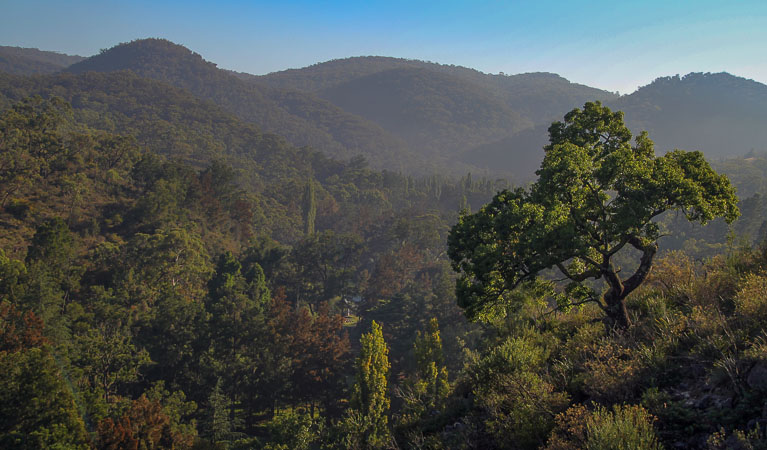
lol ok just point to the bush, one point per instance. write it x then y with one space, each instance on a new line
627 427
517 404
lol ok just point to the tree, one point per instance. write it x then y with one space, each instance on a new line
369 397
236 307
596 193
37 408
309 207
432 374
327 264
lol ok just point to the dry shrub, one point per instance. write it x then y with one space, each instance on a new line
751 303
612 372
623 427
673 274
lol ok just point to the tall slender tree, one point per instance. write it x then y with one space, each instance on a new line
309 206
370 398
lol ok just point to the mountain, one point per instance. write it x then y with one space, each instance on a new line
30 61
421 117
538 96
429 110
720 114
303 119
449 111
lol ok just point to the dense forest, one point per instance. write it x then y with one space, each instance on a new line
175 275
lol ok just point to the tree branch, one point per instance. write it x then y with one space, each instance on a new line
645 263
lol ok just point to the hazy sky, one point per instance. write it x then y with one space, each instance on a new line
615 45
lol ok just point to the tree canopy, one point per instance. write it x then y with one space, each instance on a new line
596 193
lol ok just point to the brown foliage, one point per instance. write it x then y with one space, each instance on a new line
144 426
19 331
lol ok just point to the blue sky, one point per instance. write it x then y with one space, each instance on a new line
615 45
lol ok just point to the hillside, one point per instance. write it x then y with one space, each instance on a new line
422 117
194 251
540 97
304 120
428 109
717 113
31 61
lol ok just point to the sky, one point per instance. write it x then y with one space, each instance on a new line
614 45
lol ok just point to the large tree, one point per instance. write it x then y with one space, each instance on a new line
596 194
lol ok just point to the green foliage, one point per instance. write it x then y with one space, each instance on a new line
37 406
293 431
431 375
596 193
623 427
370 401
309 206
217 426
517 403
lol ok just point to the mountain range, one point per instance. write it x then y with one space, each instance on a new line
421 117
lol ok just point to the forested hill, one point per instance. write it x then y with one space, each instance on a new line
719 114
539 96
303 119
422 117
29 61
429 110
453 110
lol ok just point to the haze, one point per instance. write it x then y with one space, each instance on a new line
616 46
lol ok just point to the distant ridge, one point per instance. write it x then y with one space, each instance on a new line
31 61
552 92
718 113
422 117
305 120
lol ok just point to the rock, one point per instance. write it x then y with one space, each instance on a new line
757 376
704 402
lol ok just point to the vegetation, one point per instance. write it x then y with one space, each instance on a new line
596 193
173 277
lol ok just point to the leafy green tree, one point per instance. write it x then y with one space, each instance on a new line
108 359
327 263
432 374
174 337
370 399
596 193
13 274
37 409
424 392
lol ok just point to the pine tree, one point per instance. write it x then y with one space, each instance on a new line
217 426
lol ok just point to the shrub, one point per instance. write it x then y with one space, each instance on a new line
627 427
